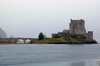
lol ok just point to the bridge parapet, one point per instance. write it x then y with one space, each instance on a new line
14 40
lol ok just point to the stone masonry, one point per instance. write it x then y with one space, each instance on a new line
77 27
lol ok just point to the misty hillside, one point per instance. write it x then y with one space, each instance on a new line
2 34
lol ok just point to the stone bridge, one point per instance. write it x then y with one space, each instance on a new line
14 40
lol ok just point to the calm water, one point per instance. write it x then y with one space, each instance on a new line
50 55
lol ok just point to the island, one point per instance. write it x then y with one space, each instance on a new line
75 35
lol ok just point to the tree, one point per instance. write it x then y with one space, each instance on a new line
41 36
56 36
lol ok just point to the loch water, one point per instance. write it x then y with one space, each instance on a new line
50 55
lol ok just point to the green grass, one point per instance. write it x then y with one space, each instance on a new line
47 40
73 38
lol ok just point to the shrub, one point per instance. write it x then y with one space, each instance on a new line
56 36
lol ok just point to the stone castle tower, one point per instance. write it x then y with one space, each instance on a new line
77 27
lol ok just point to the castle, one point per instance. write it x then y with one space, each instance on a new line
77 27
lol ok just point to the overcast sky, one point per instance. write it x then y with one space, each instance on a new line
27 18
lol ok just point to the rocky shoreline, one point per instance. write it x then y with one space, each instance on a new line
88 42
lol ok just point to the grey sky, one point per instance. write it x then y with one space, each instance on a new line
27 18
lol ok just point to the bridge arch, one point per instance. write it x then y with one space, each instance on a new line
27 40
14 40
20 41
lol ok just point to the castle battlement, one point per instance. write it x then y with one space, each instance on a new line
81 21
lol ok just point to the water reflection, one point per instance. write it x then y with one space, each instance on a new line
78 64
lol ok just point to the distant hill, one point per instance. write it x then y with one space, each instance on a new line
2 33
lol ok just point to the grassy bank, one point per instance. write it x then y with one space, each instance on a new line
58 40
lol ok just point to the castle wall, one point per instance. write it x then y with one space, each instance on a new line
61 33
90 35
77 27
65 31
